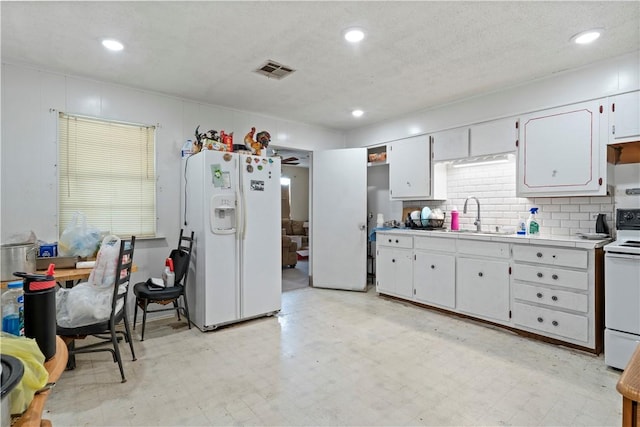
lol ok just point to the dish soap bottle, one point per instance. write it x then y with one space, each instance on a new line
532 224
455 219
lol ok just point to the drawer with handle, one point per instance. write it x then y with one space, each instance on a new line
566 325
394 240
435 243
552 297
576 258
551 276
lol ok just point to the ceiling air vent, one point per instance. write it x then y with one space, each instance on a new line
273 69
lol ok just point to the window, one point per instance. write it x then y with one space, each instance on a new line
107 171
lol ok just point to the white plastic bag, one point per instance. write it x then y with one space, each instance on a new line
79 239
90 302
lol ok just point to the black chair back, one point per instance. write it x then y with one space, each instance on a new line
123 276
181 258
180 264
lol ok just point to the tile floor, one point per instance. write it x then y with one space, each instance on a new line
297 277
339 358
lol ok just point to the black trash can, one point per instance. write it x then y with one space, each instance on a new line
40 310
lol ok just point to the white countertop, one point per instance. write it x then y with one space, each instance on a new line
542 239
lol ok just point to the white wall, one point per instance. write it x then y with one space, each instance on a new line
31 100
299 191
618 75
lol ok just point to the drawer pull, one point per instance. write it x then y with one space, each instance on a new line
539 254
539 274
555 298
393 260
539 294
389 240
554 277
433 266
480 274
396 240
540 319
554 323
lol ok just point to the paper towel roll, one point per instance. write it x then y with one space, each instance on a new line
85 264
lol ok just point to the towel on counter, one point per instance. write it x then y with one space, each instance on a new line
372 233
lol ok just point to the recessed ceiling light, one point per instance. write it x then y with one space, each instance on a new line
354 35
111 44
357 113
587 37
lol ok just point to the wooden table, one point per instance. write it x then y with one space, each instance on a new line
629 387
67 277
32 417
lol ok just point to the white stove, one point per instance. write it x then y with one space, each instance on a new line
622 290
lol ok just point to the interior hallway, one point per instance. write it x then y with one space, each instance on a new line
339 358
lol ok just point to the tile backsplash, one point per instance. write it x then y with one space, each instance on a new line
495 187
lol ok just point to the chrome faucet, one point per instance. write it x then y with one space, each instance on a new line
477 221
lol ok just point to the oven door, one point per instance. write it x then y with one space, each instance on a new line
622 292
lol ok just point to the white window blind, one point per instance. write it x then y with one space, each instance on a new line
107 171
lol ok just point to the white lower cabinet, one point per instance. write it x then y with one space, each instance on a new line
553 293
483 288
394 265
434 278
549 291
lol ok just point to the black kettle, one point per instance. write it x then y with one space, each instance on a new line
601 224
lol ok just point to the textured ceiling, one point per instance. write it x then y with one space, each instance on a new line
416 54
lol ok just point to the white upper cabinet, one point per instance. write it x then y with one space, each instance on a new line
410 168
562 151
496 137
451 144
624 118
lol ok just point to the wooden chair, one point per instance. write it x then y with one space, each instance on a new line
106 331
146 293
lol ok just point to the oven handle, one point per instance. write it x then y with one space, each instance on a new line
621 255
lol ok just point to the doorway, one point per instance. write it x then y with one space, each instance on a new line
296 221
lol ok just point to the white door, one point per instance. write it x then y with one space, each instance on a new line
339 218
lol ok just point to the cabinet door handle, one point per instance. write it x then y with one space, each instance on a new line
555 298
554 277
480 274
393 260
539 274
554 323
540 319
539 254
539 294
433 266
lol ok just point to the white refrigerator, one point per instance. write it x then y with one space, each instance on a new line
232 203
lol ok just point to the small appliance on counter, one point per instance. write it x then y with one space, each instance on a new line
622 290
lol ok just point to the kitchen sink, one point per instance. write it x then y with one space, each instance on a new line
484 232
